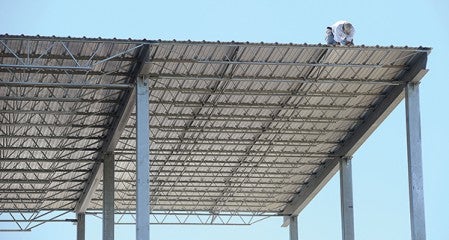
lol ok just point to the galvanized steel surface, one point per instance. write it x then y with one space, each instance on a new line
234 127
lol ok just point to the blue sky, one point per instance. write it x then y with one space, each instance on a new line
379 167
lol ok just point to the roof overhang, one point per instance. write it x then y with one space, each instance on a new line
234 127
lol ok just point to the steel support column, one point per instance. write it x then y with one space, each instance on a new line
293 228
347 211
108 196
80 226
415 172
143 161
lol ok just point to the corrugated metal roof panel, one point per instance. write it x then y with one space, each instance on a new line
234 127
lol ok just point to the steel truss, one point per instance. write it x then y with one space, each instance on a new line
238 132
27 221
16 221
50 73
190 218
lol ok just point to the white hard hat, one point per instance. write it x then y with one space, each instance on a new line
347 28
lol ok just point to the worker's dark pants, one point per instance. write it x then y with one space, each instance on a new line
330 37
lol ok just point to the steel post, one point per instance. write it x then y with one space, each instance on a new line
80 226
347 211
108 196
294 228
143 161
415 172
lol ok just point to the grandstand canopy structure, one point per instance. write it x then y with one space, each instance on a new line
235 132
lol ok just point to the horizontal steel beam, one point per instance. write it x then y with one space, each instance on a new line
243 117
191 213
31 199
222 173
51 56
221 129
261 92
211 190
267 63
179 77
182 163
203 196
230 154
227 152
246 105
160 199
52 112
44 208
241 188
56 99
53 125
191 223
273 130
49 149
202 199
186 141
198 205
11 136
191 180
49 160
59 68
158 190
154 192
65 72
37 181
36 220
186 173
236 140
218 143
218 175
278 167
259 119
29 170
73 85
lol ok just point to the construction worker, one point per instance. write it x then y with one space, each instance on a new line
340 33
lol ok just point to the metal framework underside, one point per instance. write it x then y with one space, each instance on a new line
239 130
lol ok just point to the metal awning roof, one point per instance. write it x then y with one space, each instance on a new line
234 127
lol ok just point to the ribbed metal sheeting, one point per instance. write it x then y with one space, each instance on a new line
234 127
58 98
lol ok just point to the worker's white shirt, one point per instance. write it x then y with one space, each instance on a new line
339 34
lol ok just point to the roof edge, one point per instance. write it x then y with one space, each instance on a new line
231 43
